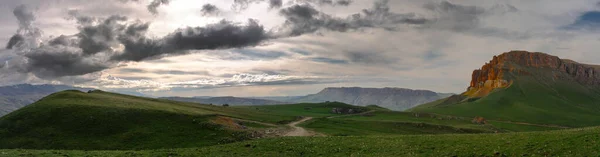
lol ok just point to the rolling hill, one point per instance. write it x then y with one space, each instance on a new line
110 124
398 99
100 120
528 87
17 96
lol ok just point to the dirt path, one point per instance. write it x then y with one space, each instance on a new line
299 131
257 122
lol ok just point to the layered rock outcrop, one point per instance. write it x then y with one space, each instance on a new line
491 75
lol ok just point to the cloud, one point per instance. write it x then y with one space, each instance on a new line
454 16
586 21
327 2
102 43
368 57
304 18
254 54
25 17
152 7
240 5
275 4
222 35
209 10
328 60
14 40
111 82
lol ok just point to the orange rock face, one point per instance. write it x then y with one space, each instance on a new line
491 75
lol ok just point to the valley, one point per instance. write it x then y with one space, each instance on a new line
532 111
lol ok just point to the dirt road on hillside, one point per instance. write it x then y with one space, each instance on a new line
299 131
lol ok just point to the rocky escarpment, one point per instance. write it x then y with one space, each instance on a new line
391 98
492 74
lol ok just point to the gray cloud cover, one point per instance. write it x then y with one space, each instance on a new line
152 7
209 10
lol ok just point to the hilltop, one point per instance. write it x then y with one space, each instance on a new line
529 87
17 96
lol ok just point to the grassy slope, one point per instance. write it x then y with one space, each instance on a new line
100 120
537 98
316 110
391 122
575 142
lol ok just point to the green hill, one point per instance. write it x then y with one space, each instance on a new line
102 121
528 87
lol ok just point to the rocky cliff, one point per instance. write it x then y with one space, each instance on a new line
392 98
492 74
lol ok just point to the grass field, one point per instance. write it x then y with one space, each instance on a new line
104 121
77 121
572 142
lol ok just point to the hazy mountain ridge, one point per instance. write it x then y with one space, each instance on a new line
235 101
391 98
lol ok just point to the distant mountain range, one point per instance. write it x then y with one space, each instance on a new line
234 101
17 96
391 98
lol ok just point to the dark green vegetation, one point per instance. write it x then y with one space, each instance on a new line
17 96
103 121
541 97
100 120
573 142
316 110
390 122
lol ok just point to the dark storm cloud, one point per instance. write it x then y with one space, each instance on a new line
103 42
275 4
222 35
304 18
25 17
14 40
243 4
209 10
327 2
58 61
343 2
152 7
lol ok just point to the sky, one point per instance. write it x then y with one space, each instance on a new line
280 47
